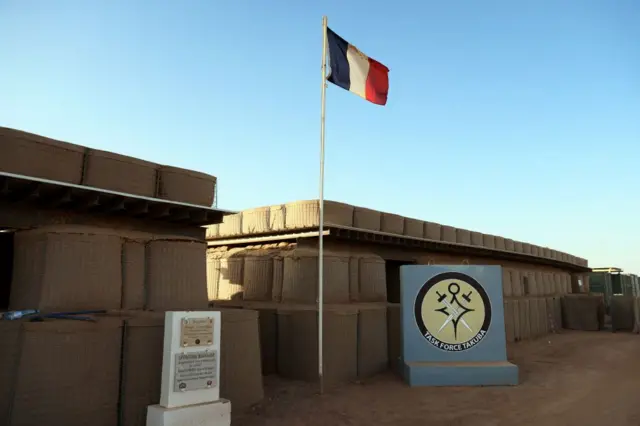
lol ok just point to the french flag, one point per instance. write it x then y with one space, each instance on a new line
352 70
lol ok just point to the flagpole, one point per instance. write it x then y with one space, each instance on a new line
321 208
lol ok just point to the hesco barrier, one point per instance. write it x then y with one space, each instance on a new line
176 275
32 155
298 344
463 236
622 313
300 215
414 228
240 365
287 274
225 274
186 186
63 268
143 343
240 369
394 336
121 173
364 218
392 223
583 312
373 355
300 277
47 365
358 338
121 353
257 277
305 214
256 221
66 268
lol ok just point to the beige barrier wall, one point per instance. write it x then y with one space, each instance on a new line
256 221
32 155
414 228
121 173
225 269
186 186
287 273
392 223
240 369
66 268
373 354
449 234
134 258
433 231
257 277
305 214
300 277
364 218
298 340
636 315
463 236
489 241
176 275
276 218
583 312
143 343
78 267
45 377
240 365
477 239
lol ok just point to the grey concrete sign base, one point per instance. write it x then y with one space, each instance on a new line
453 331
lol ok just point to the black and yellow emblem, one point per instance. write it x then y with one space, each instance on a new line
453 311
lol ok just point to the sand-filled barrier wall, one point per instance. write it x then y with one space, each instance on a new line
136 277
37 156
287 273
77 267
280 280
121 354
301 215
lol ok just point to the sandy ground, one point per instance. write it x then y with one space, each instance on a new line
573 378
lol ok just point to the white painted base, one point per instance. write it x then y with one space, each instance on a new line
210 414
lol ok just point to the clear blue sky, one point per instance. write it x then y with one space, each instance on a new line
515 118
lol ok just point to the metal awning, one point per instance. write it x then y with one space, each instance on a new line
264 239
43 193
610 270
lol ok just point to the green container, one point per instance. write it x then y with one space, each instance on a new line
635 285
602 283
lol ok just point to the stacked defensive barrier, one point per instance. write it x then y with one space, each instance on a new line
280 280
135 277
37 156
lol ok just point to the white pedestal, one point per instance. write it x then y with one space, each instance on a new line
210 414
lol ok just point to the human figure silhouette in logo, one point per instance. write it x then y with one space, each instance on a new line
454 313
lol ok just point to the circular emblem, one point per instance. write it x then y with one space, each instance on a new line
453 312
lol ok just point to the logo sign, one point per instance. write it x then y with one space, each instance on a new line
453 311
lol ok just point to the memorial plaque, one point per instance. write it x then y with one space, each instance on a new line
195 370
196 332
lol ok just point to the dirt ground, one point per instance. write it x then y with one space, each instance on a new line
573 378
